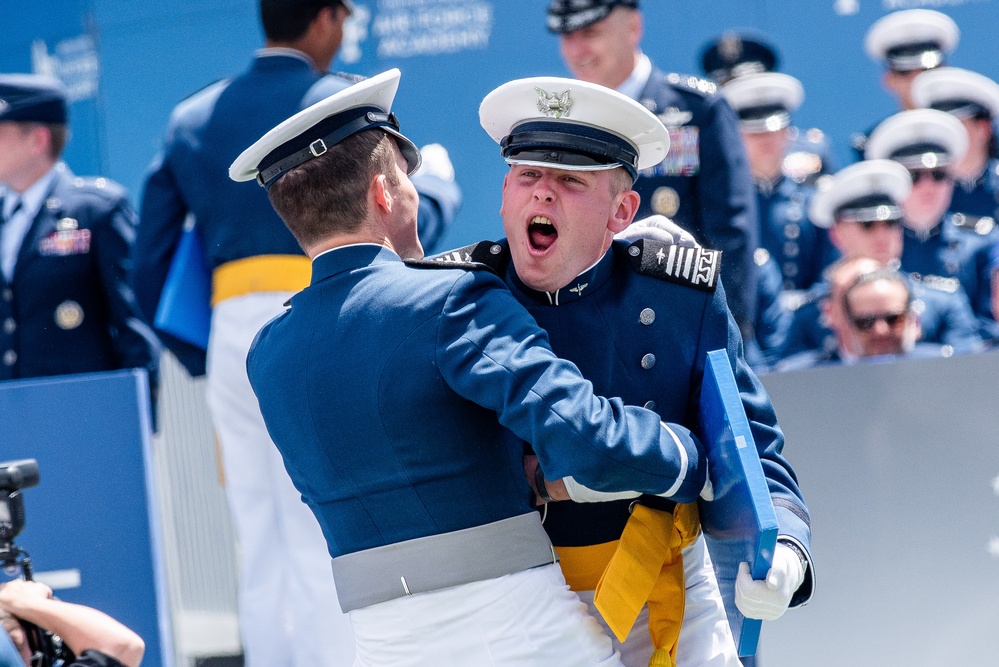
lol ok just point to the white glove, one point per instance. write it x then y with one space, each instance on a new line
657 228
768 599
436 162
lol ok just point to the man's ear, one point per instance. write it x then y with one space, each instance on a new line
379 194
835 238
503 197
623 211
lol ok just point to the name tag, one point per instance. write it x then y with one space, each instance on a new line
68 242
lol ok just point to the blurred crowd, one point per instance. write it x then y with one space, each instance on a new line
894 256
919 205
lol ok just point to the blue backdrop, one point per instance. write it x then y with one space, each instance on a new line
129 62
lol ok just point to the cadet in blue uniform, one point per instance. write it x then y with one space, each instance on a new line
382 386
639 325
764 103
861 206
907 43
974 100
256 265
808 154
704 183
65 305
929 143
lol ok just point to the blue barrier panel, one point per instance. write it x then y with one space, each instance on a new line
91 518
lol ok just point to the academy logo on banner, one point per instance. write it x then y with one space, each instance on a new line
851 7
407 28
73 61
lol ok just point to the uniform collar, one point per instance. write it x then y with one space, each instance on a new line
635 83
348 257
924 235
275 54
582 286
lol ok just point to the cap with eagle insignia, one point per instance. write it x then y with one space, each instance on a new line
736 54
764 101
867 191
959 92
919 139
32 98
310 133
573 125
695 267
569 15
912 39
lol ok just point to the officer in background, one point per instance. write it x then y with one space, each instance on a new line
974 100
861 206
385 385
704 183
737 53
638 328
876 322
929 144
64 249
287 602
764 103
907 43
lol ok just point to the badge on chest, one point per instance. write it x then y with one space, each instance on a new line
66 240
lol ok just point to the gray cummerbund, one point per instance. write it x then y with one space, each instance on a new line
440 561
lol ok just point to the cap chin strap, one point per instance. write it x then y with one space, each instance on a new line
368 121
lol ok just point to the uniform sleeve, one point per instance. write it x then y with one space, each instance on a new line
492 352
162 215
439 204
135 344
719 331
728 207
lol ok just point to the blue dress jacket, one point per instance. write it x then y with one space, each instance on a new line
386 387
645 340
704 183
800 249
190 177
68 307
951 250
978 199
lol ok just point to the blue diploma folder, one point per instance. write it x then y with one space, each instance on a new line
739 524
184 310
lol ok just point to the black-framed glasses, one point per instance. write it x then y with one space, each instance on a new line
937 175
867 322
868 225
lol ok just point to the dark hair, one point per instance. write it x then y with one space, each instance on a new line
329 194
288 20
890 275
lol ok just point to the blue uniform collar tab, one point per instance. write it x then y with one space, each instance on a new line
581 286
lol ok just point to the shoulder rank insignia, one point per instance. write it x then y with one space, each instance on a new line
981 225
695 267
482 255
698 84
940 283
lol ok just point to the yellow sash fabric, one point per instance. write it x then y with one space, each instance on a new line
265 273
647 567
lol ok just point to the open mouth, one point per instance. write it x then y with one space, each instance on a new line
541 233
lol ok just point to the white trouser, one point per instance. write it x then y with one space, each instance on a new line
527 619
288 610
705 636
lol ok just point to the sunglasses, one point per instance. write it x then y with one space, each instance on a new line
867 322
937 175
868 225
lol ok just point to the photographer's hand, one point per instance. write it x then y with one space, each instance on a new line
80 627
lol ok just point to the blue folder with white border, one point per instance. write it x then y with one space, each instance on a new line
739 524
